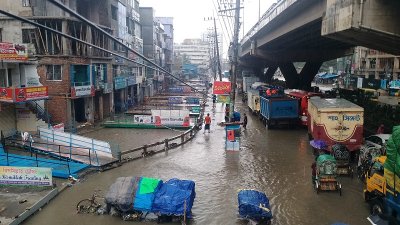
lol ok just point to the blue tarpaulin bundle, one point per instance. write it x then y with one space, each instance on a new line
145 194
254 205
171 197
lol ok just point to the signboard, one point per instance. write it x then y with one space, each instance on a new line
6 94
175 100
31 93
171 117
119 83
196 109
175 90
108 87
131 80
35 176
223 99
371 83
10 51
221 87
145 119
192 100
81 91
395 84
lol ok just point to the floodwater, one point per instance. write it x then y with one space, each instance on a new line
276 162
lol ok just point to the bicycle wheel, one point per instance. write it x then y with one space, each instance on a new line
85 206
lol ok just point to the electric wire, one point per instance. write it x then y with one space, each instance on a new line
77 15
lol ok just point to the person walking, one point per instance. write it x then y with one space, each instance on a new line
207 120
214 100
244 121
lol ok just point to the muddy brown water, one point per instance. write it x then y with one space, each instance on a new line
274 161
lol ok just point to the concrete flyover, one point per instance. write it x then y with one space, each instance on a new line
314 31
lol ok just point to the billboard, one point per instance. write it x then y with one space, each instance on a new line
171 117
35 176
10 51
221 87
31 93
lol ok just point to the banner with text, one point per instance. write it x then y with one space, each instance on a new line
221 87
81 91
10 51
6 94
224 99
171 117
145 119
35 176
31 93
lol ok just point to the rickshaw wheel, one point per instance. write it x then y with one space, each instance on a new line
376 207
340 191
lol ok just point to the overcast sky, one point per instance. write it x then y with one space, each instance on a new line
189 16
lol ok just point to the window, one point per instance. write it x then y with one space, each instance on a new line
53 72
26 36
26 3
114 12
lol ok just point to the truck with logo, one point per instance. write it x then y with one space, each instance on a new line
336 121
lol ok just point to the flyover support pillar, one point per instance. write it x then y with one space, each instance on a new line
303 80
270 73
290 74
308 73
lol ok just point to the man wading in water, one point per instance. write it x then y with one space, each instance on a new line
208 123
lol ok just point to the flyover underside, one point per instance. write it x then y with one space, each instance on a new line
369 38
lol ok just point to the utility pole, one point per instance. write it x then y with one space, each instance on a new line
216 45
234 65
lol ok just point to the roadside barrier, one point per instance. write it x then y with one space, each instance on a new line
163 146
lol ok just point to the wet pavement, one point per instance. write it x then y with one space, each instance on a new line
274 161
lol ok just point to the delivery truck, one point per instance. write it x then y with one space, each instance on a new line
247 82
336 121
278 110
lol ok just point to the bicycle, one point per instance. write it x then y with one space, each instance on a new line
89 205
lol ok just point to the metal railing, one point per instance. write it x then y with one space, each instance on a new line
268 16
165 145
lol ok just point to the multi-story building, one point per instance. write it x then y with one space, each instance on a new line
154 44
376 64
82 81
196 51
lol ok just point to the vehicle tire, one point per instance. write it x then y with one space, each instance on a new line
269 125
84 206
376 207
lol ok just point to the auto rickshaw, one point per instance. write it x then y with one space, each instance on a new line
342 156
326 174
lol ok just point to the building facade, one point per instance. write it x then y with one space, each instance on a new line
196 51
85 84
376 64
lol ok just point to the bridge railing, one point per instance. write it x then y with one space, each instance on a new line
269 15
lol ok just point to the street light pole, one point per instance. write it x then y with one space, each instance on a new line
234 66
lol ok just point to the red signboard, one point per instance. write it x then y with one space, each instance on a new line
6 95
10 51
31 93
221 87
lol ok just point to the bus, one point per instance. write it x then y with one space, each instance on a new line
302 97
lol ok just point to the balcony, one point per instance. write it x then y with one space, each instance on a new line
15 95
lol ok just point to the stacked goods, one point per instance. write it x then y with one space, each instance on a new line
392 164
174 198
254 205
137 195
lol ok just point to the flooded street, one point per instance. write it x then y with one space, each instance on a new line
274 161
